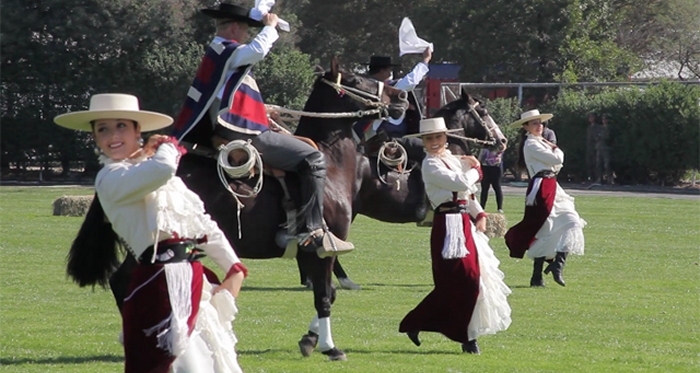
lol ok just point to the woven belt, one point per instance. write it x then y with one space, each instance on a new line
546 174
452 208
173 251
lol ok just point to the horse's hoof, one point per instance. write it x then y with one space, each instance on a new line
335 354
307 344
347 283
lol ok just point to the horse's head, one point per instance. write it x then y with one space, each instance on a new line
470 114
338 91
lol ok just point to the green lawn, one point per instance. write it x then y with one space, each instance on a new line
632 303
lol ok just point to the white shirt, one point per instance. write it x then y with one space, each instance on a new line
540 156
249 54
409 83
440 180
146 202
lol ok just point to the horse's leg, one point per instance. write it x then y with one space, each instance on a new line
324 295
343 279
304 276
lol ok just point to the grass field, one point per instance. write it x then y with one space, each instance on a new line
632 303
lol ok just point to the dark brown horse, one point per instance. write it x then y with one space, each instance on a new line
402 198
263 215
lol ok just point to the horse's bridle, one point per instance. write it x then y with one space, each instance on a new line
361 96
485 124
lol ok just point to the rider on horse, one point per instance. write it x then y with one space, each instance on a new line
224 104
380 69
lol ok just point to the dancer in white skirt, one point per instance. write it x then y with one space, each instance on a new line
551 228
176 316
470 298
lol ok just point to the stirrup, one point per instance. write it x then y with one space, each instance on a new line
325 243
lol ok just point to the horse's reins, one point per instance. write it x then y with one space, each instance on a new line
358 95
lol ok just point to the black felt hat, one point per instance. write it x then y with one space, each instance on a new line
233 12
381 61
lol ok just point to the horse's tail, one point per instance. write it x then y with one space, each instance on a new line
93 256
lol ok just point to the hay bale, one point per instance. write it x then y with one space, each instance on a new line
496 225
72 205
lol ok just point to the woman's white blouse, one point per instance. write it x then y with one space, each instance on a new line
440 180
540 156
146 203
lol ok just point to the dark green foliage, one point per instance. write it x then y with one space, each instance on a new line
654 130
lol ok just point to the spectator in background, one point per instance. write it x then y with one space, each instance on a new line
602 152
549 134
590 146
491 166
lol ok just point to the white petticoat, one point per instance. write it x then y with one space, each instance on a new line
211 348
562 231
492 311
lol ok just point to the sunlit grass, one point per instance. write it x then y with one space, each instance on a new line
631 303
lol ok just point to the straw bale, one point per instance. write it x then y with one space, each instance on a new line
71 205
496 225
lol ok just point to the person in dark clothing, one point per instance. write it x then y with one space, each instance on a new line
491 166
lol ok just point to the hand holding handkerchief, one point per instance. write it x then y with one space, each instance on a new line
409 42
263 7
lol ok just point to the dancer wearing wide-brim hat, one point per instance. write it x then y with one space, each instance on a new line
551 228
469 298
174 317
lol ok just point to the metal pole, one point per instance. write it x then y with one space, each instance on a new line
520 95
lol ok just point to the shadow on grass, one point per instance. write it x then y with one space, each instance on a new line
301 288
64 360
397 285
351 351
263 288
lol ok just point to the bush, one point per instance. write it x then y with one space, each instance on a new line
655 131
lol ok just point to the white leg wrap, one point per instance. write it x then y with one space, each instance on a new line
325 339
313 326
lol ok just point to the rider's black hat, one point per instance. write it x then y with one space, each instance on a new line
233 12
381 62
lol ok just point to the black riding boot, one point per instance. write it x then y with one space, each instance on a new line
536 280
312 174
557 268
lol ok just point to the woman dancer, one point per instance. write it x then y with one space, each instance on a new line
469 298
174 318
551 228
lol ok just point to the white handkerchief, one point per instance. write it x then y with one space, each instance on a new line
409 42
263 7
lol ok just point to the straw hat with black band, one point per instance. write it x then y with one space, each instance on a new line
530 115
431 126
113 106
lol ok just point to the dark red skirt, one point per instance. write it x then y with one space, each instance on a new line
520 236
146 308
449 307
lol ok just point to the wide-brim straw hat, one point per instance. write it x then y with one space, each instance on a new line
431 126
531 115
234 12
113 106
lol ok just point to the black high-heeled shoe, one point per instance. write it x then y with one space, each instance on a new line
413 336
